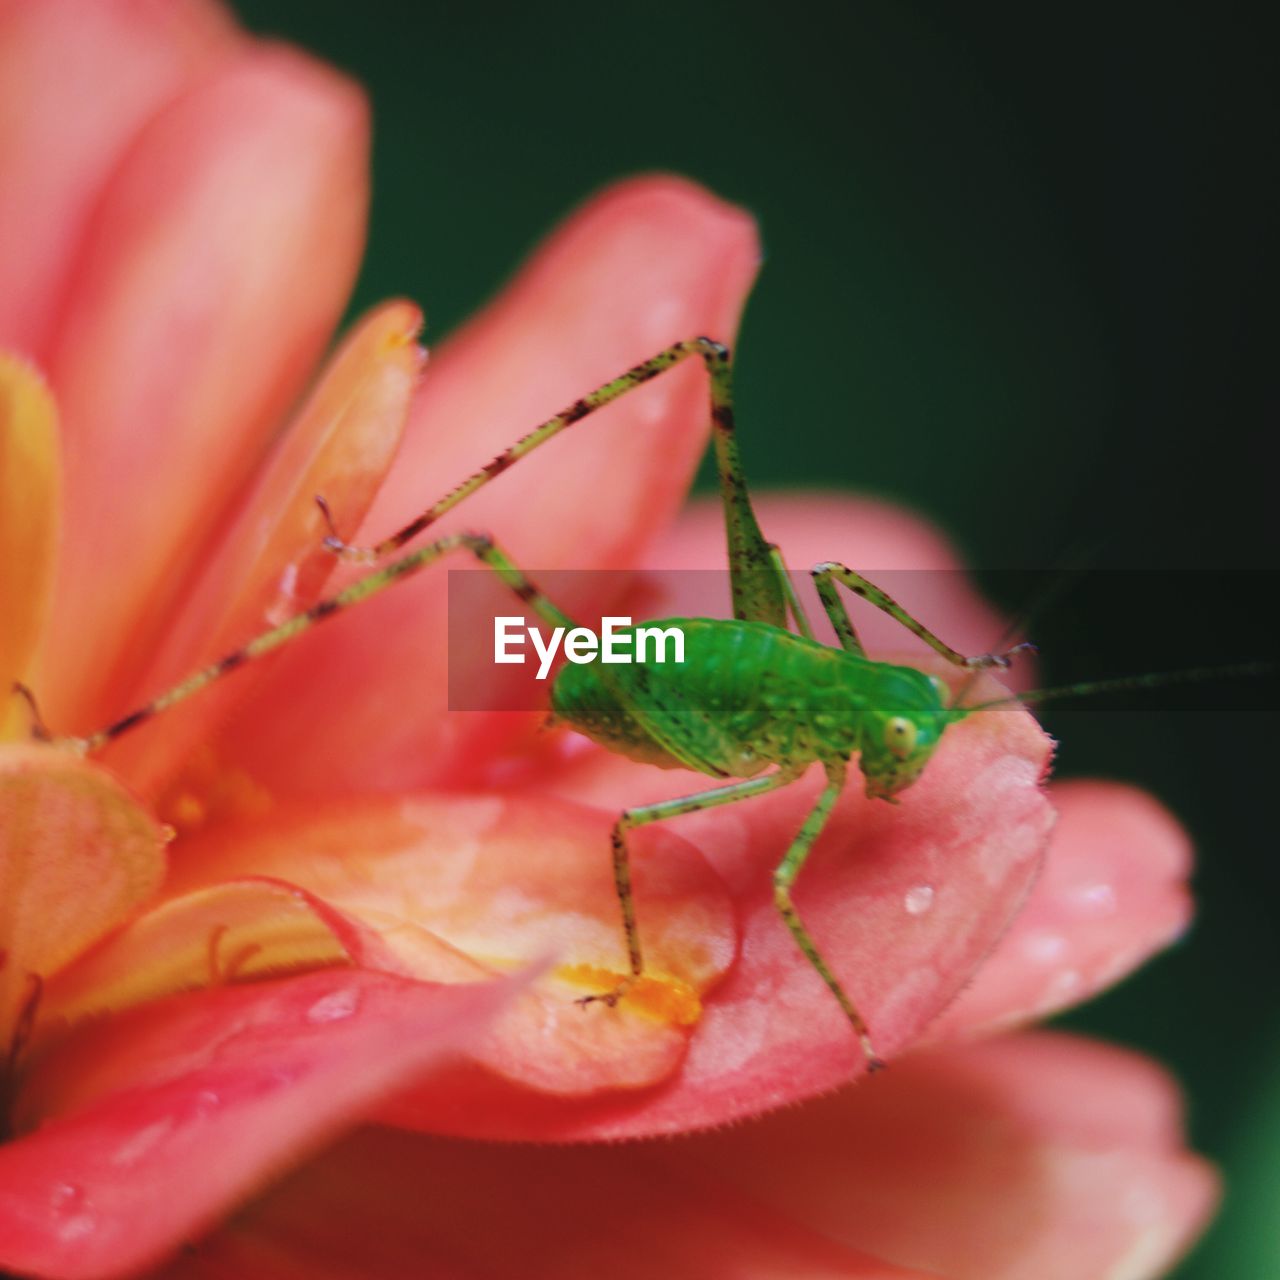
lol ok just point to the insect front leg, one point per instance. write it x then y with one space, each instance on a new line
642 816
826 575
783 880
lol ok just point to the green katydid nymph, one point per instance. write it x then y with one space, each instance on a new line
753 705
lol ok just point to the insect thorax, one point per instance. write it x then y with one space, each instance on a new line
748 695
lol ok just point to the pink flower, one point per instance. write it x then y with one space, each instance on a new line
354 920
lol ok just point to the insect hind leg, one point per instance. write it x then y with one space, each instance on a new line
479 545
758 592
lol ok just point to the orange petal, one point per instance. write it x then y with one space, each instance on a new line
461 888
236 931
217 262
77 856
1114 892
30 492
273 564
1039 1158
184 1108
58 147
361 704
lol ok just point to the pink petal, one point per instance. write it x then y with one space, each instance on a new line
385 1206
164 1119
361 704
77 83
218 260
507 879
905 902
460 888
1114 892
1038 1158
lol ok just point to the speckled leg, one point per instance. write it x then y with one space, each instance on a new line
825 577
783 880
657 812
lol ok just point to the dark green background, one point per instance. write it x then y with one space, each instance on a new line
1039 241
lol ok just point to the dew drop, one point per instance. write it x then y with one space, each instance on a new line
1064 983
285 604
1096 899
66 1197
335 1006
205 1102
918 900
71 1212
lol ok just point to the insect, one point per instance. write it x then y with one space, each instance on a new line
754 704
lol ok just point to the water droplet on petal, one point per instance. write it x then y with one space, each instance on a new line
918 900
1044 947
1064 983
285 604
335 1006
1095 899
141 1142
66 1196
205 1102
70 1208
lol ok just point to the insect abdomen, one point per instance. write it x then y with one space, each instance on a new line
748 695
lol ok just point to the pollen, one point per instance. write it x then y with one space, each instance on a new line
660 997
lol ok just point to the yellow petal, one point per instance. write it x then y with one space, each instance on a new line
77 857
30 486
230 932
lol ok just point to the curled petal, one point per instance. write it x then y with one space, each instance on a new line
156 1123
218 260
462 888
235 931
646 264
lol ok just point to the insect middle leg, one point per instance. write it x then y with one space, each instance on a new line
642 816
759 592
826 575
783 880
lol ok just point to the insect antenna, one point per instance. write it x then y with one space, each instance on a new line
1150 680
1073 566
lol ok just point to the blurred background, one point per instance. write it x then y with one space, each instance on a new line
1042 244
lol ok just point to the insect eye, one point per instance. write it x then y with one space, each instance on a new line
900 736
